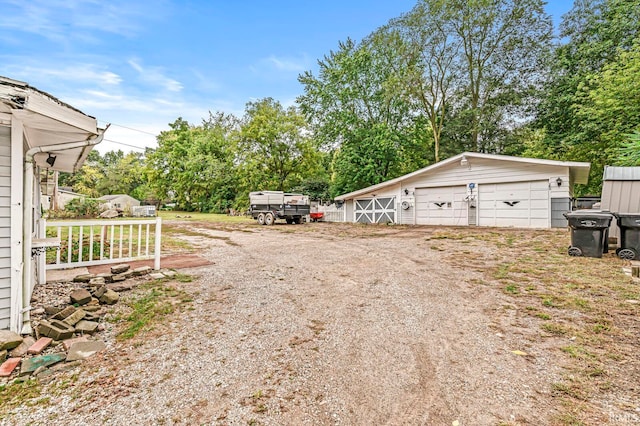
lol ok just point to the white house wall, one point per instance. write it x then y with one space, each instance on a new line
5 227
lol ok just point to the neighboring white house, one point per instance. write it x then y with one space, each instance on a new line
62 195
37 131
119 201
620 192
472 189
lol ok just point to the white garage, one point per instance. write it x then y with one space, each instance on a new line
519 204
472 189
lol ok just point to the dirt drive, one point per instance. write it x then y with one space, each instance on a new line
325 324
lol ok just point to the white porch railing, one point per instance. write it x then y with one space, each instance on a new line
99 242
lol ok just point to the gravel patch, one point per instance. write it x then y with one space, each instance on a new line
327 325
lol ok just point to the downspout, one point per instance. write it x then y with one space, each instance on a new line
28 222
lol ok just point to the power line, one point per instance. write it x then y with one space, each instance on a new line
131 128
125 144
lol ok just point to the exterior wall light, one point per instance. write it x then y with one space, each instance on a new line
559 181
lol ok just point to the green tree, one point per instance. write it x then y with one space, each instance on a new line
356 108
194 165
504 47
274 146
123 174
87 179
596 34
430 56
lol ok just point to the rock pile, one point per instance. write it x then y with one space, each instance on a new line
67 329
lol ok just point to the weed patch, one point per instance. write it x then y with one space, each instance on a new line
156 301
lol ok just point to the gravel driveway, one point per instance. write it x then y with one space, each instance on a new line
319 324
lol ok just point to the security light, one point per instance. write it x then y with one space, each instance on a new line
51 160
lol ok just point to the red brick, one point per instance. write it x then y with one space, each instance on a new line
8 366
39 345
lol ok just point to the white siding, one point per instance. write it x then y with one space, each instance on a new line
5 226
406 216
519 204
491 171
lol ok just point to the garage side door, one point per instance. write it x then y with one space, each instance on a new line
441 206
518 204
375 210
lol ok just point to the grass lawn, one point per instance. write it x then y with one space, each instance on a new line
203 217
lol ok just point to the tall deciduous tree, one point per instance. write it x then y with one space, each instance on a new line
504 45
431 60
194 165
275 149
355 106
594 33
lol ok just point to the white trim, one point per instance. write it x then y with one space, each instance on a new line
581 174
17 184
39 104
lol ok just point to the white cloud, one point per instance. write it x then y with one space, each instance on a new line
288 64
61 20
73 73
155 75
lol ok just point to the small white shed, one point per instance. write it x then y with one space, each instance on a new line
472 189
119 201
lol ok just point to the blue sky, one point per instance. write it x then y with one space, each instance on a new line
141 64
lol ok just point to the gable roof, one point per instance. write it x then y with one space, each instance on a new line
578 170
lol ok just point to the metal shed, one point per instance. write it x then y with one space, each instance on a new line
620 192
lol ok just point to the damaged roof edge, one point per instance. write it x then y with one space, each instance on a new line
26 87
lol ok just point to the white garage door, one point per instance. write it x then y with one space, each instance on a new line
519 204
375 210
441 206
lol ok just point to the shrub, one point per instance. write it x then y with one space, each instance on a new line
83 207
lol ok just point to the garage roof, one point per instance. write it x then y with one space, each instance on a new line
579 171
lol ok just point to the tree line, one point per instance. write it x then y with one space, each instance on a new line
448 76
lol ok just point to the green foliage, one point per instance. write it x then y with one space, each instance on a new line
629 152
591 100
193 165
354 109
274 147
155 302
83 207
316 189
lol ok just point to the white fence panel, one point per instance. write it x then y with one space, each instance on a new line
333 216
99 242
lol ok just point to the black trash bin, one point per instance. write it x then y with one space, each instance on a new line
589 232
629 224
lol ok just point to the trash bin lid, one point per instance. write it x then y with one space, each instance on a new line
628 220
580 219
597 214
